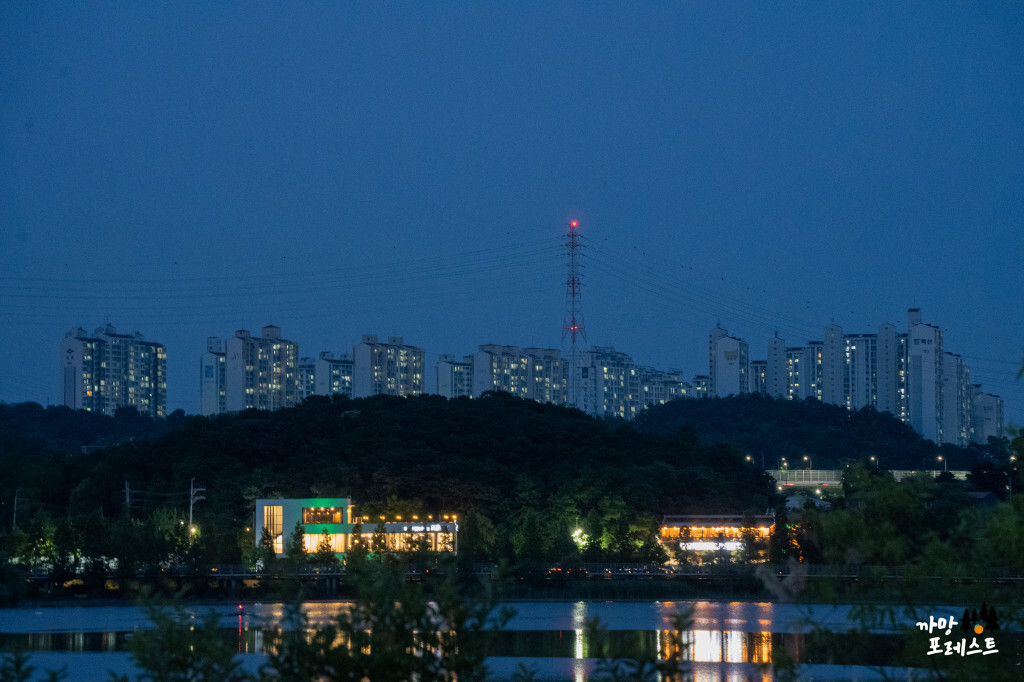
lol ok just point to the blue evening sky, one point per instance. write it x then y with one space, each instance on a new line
337 169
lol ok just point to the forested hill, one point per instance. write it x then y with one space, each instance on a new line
828 435
516 462
63 430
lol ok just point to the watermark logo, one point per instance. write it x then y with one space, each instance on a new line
973 625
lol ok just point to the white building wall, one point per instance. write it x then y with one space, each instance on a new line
546 375
776 374
988 415
924 380
454 378
391 368
860 372
714 336
800 372
957 411
334 375
107 370
260 372
887 368
832 366
731 367
758 381
211 378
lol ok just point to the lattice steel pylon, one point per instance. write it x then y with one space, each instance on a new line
573 328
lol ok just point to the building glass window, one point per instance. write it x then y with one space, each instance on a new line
321 515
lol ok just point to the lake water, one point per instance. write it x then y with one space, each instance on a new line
727 640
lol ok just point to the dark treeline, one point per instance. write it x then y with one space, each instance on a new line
830 435
521 475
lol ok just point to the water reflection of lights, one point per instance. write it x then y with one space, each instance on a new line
722 646
579 621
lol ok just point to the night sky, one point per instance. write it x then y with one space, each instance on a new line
338 169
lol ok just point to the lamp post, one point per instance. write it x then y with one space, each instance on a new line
809 462
945 464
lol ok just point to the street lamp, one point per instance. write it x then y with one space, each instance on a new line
945 464
809 462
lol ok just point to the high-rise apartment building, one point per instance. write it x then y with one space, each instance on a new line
776 382
616 383
658 387
889 373
758 377
305 378
531 373
106 371
611 385
987 419
904 374
700 386
260 373
924 377
728 364
548 375
454 378
334 376
832 366
618 387
212 396
860 371
801 372
391 368
957 406
501 368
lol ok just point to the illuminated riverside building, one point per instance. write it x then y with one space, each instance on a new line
105 371
390 368
333 517
707 533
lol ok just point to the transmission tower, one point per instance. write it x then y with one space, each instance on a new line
573 327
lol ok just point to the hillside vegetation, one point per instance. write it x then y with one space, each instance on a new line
829 435
522 475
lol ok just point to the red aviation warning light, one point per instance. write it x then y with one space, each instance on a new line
574 224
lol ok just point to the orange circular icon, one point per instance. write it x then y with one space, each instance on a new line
978 629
